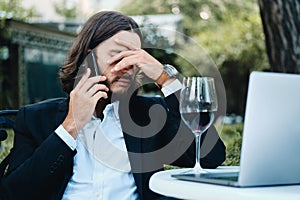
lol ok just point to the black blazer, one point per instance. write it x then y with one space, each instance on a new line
41 164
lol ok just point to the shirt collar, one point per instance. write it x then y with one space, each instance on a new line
115 108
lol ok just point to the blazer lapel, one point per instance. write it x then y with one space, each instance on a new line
133 144
134 149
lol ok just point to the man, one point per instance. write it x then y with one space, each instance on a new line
74 148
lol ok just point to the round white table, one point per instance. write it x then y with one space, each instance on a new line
163 183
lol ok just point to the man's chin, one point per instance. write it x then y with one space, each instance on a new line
119 89
119 93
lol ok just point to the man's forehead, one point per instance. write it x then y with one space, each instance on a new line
125 36
129 37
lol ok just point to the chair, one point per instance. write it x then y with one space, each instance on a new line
7 121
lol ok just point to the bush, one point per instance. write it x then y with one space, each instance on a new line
7 144
232 138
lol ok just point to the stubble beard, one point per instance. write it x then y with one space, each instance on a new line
123 93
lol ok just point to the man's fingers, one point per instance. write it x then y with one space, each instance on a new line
83 78
97 87
132 51
92 81
99 95
126 63
120 56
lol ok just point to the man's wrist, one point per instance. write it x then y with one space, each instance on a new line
164 77
70 127
66 137
168 75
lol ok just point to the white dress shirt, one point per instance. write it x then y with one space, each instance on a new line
101 166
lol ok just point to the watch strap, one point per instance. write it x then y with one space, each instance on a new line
162 79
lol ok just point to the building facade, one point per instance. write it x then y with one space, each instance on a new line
30 56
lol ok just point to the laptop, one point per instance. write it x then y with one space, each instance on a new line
271 135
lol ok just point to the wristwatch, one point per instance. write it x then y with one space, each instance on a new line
168 72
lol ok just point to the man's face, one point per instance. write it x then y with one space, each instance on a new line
118 81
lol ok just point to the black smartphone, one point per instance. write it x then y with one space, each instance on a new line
89 61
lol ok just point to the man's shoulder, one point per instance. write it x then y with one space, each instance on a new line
48 104
42 114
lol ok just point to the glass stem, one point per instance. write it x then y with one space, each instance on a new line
197 166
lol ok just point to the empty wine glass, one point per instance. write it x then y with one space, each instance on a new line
198 102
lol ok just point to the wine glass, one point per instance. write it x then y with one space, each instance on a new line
198 102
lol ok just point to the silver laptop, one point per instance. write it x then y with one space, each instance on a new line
271 137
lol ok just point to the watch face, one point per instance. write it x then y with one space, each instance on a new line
170 70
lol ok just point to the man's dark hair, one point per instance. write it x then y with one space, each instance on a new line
97 29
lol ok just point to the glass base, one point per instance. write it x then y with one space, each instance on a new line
195 170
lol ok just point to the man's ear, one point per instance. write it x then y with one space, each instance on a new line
89 50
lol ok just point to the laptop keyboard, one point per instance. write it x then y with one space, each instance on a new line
228 178
231 176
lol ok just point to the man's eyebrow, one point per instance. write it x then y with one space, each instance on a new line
119 49
115 51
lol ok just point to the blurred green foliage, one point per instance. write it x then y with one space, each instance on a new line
7 144
229 31
14 9
231 135
66 9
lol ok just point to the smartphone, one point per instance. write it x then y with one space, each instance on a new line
90 61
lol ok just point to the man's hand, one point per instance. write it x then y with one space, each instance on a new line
134 56
83 100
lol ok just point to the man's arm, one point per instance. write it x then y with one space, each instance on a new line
39 167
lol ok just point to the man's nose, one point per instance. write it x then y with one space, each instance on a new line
128 70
